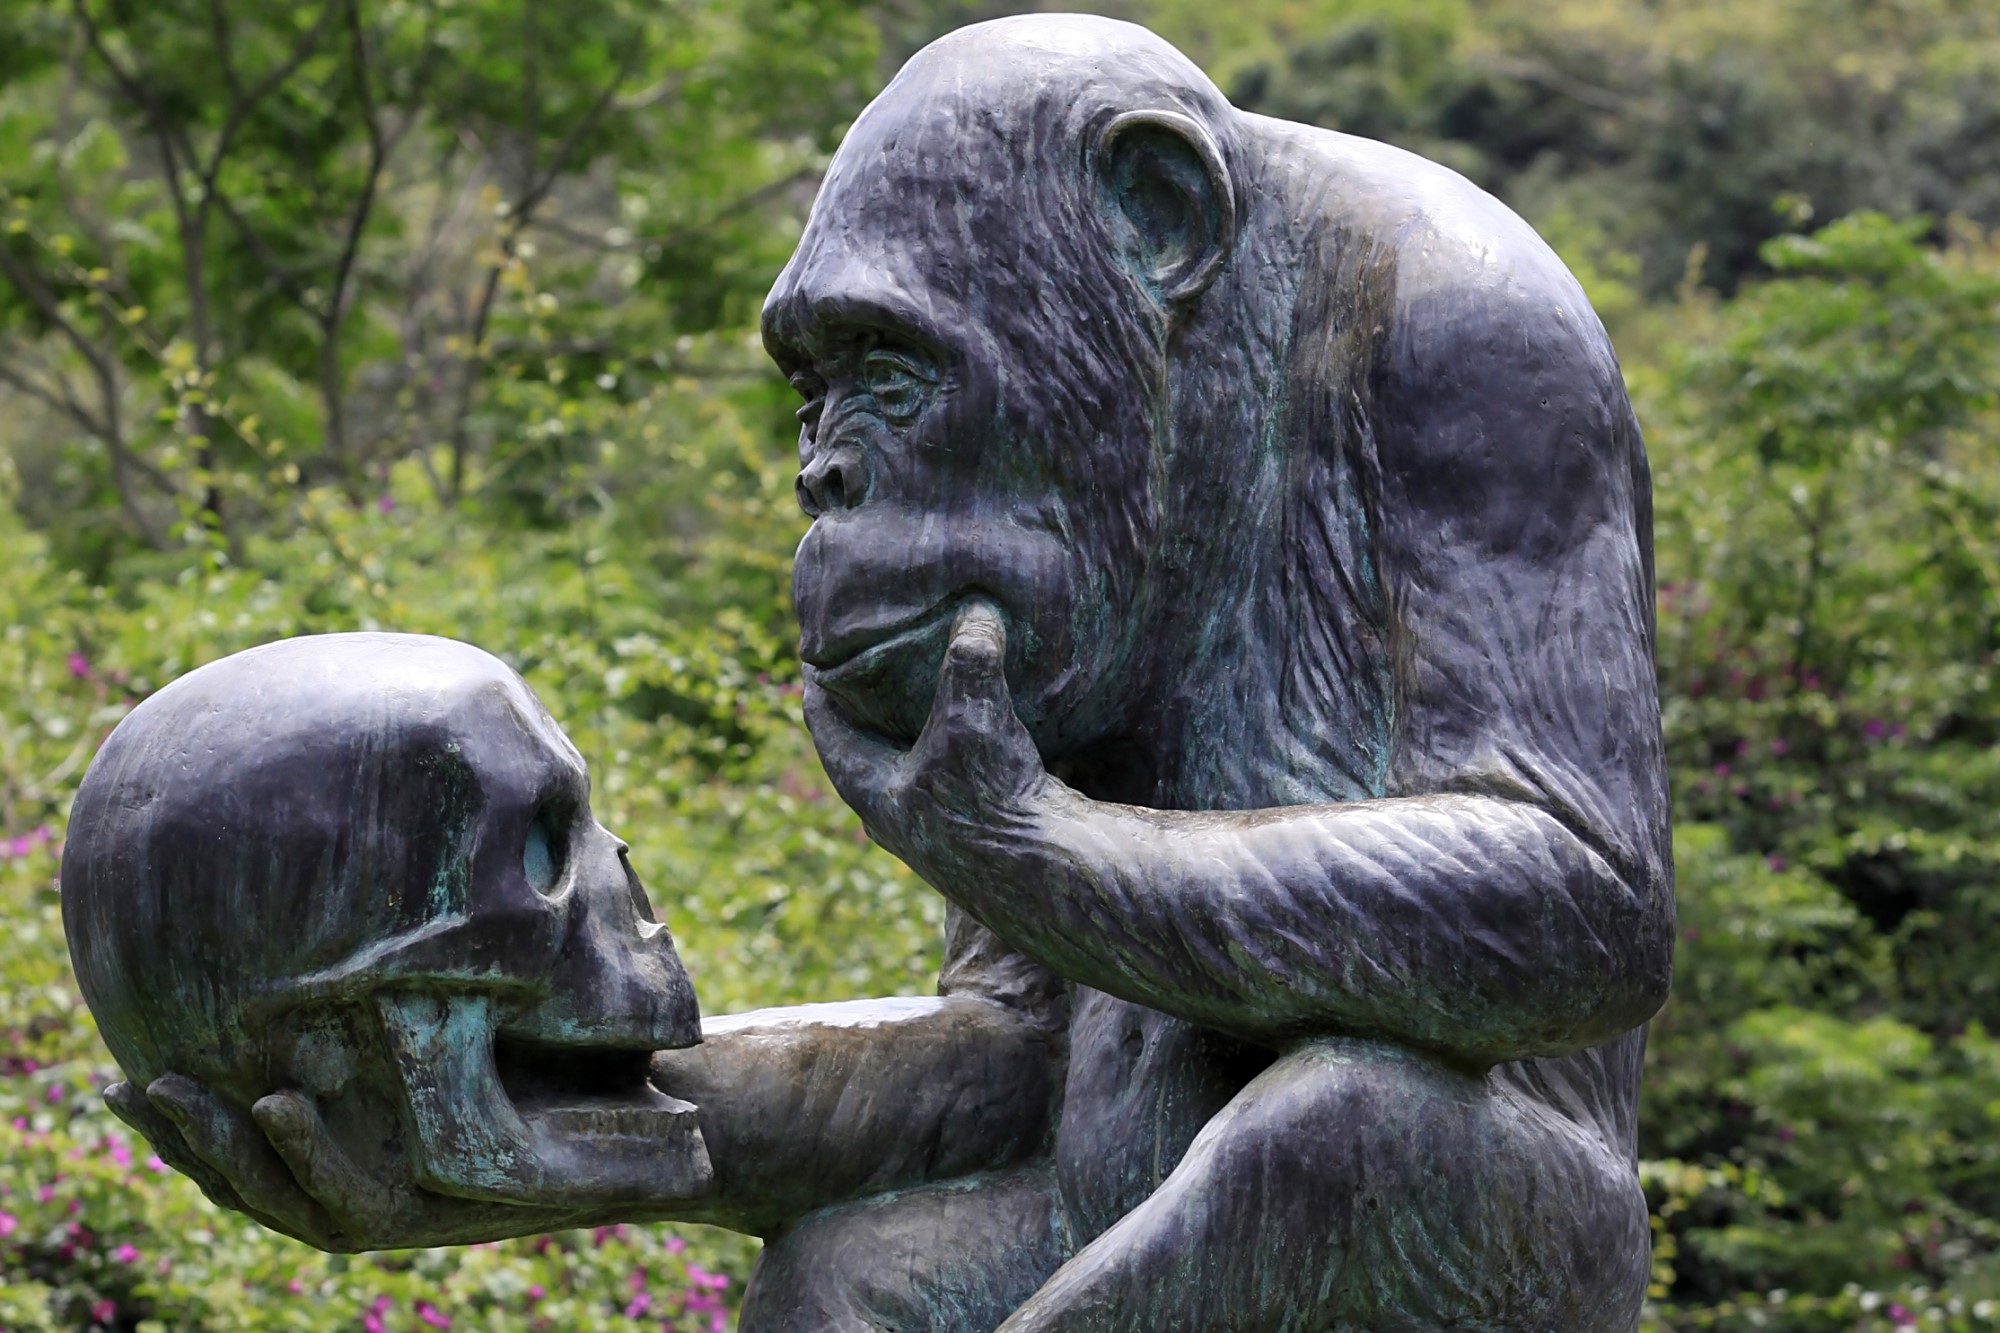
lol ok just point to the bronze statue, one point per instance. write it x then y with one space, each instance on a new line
1230 585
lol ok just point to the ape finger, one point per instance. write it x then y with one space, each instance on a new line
130 1105
973 739
862 767
360 1206
235 1149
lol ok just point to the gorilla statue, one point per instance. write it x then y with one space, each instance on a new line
1229 584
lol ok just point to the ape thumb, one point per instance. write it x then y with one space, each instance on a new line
975 661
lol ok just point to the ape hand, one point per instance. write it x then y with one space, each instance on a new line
973 777
282 1167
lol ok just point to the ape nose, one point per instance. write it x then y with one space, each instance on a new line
837 480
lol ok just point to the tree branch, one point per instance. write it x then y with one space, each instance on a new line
520 216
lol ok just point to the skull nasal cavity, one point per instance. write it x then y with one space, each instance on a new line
837 481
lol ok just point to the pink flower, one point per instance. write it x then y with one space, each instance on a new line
103 1311
154 1163
46 1194
675 1245
120 1154
79 666
8 1224
126 1253
535 1292
373 1323
431 1315
386 504
638 1305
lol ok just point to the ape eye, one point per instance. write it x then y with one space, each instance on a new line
897 382
543 854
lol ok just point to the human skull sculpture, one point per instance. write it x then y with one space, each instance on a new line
364 867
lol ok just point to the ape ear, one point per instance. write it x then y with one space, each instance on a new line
1163 189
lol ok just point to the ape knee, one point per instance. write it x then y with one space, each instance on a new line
1365 1184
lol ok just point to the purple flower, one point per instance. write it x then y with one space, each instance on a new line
386 504
431 1315
1775 861
79 666
103 1311
126 1253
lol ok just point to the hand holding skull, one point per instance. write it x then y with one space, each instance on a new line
342 913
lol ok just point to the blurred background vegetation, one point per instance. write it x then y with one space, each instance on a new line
439 315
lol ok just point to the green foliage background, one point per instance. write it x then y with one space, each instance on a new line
438 315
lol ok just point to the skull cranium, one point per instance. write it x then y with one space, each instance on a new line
364 866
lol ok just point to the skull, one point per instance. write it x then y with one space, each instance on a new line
364 867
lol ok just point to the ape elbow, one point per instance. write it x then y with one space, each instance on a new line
1604 1002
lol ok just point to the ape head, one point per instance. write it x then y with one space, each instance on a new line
978 318
1038 317
363 867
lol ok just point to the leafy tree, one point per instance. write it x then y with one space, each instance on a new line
252 246
1830 590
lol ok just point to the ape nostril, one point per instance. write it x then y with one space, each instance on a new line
836 482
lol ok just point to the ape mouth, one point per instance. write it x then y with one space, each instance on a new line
589 1093
861 651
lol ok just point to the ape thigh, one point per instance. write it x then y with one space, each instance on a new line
1352 1186
948 1258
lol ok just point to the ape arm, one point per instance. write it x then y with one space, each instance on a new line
813 1105
1476 927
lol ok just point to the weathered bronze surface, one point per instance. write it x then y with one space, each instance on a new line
1230 585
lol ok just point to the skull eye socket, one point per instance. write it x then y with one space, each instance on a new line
546 849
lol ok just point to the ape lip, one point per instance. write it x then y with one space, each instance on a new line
855 652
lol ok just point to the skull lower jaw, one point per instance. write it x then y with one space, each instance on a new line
578 1127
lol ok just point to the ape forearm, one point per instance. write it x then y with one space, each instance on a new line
1476 927
808 1106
